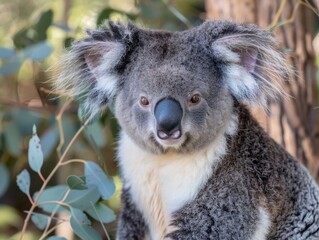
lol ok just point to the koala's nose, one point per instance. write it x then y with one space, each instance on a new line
168 113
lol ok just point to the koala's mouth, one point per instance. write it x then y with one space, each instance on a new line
174 140
173 136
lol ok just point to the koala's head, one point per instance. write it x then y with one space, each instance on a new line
174 90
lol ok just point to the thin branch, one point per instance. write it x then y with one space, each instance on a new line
10 103
60 125
47 91
73 161
278 14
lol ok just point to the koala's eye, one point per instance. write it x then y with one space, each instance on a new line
144 101
195 99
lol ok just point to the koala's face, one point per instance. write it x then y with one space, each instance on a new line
173 103
173 91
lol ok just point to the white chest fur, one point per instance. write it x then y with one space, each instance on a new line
162 184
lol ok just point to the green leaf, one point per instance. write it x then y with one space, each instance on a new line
95 132
56 238
12 139
55 193
96 178
83 199
23 182
40 220
35 155
38 51
101 212
4 179
75 182
80 225
43 24
6 53
106 13
80 199
10 67
24 120
49 141
21 39
68 42
103 15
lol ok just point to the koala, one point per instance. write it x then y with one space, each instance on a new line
194 162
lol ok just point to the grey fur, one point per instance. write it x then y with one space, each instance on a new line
228 65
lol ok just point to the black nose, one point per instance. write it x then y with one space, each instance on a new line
168 114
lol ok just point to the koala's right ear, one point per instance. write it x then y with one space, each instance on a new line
88 71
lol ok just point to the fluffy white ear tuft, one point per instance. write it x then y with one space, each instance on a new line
101 60
87 72
254 68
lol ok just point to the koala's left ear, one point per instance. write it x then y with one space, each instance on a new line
89 71
254 68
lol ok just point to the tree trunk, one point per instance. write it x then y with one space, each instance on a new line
293 123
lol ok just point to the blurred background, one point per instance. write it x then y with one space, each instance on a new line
35 33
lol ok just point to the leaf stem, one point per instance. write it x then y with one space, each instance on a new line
59 121
30 199
41 176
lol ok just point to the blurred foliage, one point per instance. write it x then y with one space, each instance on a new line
33 35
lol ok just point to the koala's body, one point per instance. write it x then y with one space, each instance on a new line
194 162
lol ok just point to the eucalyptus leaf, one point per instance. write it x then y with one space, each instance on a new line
35 155
94 132
80 199
75 182
23 182
49 141
40 220
56 238
10 67
43 24
101 212
22 39
6 53
24 119
12 139
80 225
83 199
106 13
51 194
38 51
96 178
4 179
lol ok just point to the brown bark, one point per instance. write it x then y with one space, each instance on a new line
294 122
